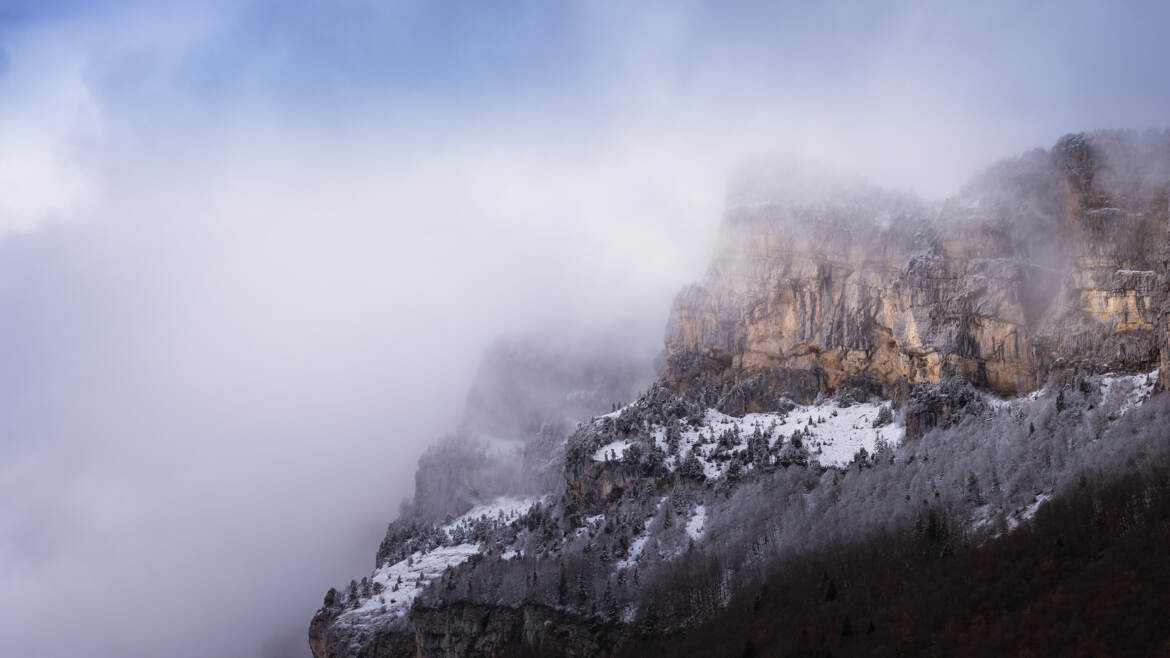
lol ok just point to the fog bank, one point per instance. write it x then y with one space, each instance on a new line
250 254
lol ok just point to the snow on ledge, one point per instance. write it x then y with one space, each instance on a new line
611 451
831 434
403 581
506 508
1134 388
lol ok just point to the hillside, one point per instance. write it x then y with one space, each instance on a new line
867 404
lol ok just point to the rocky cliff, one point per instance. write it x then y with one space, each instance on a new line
528 395
1042 262
856 363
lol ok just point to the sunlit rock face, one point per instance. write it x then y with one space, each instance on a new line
1053 263
1163 328
1045 261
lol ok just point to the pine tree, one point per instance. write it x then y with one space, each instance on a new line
582 590
974 493
609 602
734 470
354 599
691 467
331 602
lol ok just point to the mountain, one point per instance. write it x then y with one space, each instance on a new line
881 426
1041 262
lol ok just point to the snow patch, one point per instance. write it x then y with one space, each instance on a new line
499 512
638 545
504 508
1134 389
402 581
697 523
611 451
636 548
1014 520
616 413
1030 510
834 435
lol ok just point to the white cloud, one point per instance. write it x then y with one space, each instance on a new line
46 112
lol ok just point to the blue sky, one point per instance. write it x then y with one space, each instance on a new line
256 248
852 80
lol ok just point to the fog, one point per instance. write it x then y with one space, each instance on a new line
251 254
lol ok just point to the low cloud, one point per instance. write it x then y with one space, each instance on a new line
249 267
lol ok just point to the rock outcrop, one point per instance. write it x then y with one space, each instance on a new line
389 637
1051 269
1042 262
527 396
482 631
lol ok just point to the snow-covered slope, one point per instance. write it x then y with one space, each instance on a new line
832 435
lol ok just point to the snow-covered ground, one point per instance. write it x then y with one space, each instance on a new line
697 523
1014 520
840 432
984 515
611 451
639 543
1133 389
505 509
636 547
402 581
832 434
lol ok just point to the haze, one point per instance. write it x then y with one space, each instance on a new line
250 253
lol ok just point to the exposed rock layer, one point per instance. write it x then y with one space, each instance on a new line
1042 262
482 631
1054 260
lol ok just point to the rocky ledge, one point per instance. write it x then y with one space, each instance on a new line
1045 261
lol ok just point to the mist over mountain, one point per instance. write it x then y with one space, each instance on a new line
302 293
863 389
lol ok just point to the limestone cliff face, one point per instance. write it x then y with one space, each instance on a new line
526 398
390 637
482 631
1044 261
1055 260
